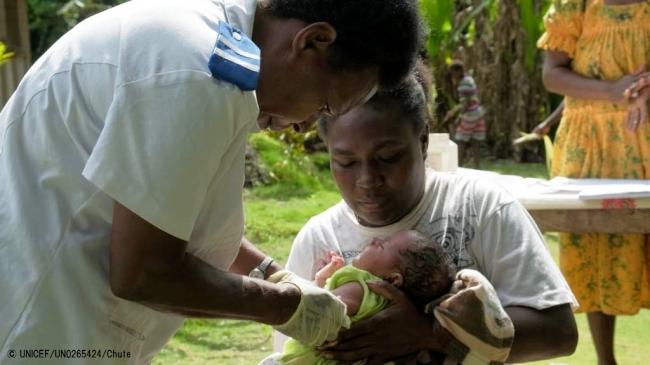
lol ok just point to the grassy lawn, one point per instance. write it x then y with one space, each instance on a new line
274 214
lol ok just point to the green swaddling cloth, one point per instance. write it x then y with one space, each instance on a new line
295 353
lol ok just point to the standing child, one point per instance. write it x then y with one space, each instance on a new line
470 124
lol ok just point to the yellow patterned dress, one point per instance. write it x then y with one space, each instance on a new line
608 273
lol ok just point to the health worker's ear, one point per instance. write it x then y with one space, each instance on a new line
314 40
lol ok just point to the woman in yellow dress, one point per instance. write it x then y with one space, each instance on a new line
597 52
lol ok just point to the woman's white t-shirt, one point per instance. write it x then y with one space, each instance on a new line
477 223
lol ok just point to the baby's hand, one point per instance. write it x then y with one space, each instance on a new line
336 262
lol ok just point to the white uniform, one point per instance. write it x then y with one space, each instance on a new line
123 107
479 225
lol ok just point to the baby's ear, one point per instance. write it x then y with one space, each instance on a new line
396 279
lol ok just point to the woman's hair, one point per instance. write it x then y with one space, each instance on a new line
370 33
427 271
406 102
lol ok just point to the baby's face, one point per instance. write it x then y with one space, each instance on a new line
382 257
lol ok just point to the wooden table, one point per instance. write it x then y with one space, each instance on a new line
567 212
619 220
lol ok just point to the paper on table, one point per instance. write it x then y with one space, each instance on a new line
603 188
565 193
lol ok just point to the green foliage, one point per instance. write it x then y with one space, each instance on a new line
321 160
5 55
45 25
445 32
532 22
497 42
74 11
450 26
468 22
50 19
439 17
283 155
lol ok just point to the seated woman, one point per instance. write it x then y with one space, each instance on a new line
385 189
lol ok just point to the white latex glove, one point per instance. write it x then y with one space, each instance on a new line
319 316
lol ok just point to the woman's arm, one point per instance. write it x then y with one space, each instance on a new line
560 79
542 334
401 329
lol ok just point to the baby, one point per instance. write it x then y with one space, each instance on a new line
407 259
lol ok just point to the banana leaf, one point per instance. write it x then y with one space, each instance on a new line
4 54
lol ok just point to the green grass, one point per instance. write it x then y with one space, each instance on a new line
508 167
275 213
273 223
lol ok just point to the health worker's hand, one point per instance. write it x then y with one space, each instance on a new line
399 330
319 316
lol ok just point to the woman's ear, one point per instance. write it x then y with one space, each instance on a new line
424 141
395 278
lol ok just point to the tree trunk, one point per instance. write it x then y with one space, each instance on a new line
14 33
512 94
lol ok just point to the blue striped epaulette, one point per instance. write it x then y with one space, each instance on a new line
235 58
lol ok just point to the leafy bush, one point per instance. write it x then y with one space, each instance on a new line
4 53
289 165
50 19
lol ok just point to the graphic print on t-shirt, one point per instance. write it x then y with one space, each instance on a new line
454 233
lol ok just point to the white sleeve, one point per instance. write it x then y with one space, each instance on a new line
162 143
301 259
517 262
